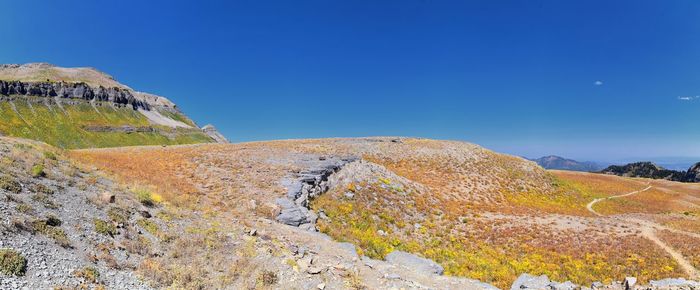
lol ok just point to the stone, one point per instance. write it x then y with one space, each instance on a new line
629 283
527 281
321 286
145 214
568 285
314 270
293 216
107 197
597 285
673 283
414 262
308 227
350 248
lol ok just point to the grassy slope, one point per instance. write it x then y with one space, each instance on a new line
488 249
63 127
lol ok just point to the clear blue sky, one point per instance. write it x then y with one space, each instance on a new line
585 79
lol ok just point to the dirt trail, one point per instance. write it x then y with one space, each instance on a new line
589 206
648 230
650 234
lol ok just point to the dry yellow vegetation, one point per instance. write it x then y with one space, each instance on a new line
480 214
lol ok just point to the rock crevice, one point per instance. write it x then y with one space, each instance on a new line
305 186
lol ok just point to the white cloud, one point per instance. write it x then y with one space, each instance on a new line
598 83
688 98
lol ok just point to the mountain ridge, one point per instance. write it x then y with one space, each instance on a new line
561 163
648 169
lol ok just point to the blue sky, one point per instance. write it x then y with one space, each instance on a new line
596 80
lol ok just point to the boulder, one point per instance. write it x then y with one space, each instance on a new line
568 285
527 281
674 283
629 283
107 197
293 216
414 262
214 134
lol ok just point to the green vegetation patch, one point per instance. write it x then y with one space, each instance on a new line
105 228
50 227
10 184
64 126
12 262
38 170
90 274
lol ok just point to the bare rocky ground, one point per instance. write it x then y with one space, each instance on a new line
245 224
60 254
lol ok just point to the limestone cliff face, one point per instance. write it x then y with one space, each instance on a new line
72 91
214 134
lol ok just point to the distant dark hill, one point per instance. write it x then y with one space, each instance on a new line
693 173
651 170
556 162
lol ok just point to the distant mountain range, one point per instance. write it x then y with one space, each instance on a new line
560 163
651 170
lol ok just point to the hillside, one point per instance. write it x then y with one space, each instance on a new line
560 163
82 108
651 170
472 212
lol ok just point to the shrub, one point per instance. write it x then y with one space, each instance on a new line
268 278
50 155
50 228
25 208
40 188
118 215
10 184
145 197
149 226
105 228
38 171
45 200
90 274
12 262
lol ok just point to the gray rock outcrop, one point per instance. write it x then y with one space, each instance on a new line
72 91
305 186
214 134
527 281
414 262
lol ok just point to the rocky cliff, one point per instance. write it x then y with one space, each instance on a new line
72 91
83 107
214 134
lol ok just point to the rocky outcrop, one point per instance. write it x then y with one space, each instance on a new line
214 134
414 262
120 129
72 91
305 186
693 173
527 281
